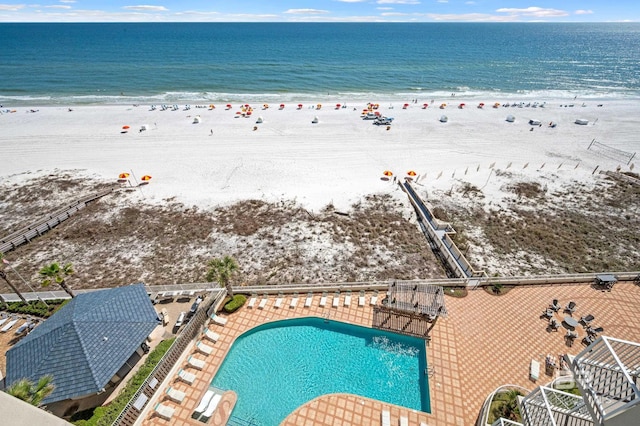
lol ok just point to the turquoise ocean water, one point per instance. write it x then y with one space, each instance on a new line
65 64
279 366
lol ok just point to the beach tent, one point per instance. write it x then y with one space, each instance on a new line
582 121
315 119
144 127
259 120
444 119
534 122
196 119
511 118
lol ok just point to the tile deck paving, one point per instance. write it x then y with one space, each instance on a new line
485 342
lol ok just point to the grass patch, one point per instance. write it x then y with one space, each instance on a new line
458 292
106 415
505 405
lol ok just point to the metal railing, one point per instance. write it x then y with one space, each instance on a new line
132 411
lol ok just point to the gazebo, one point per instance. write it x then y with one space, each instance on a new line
410 308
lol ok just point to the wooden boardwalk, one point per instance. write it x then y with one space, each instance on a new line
24 235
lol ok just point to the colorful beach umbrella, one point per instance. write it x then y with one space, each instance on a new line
299 106
281 106
123 175
125 127
228 106
411 173
338 106
145 178
387 173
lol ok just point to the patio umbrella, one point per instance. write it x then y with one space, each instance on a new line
387 173
411 173
145 178
123 175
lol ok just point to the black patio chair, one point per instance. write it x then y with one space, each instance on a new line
553 324
588 339
586 320
555 305
594 331
547 313
571 307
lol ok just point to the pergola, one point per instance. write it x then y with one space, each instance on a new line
410 308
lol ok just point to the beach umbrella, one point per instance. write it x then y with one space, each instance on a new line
299 106
443 106
265 106
387 173
424 106
318 106
212 106
338 106
405 106
145 178
411 173
281 106
125 127
481 104
123 175
228 106
461 106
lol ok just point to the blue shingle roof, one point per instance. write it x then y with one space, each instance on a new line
86 342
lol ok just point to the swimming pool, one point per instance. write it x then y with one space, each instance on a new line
276 367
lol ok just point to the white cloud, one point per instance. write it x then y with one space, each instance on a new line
470 2
67 1
393 14
351 1
11 7
146 8
471 17
443 1
384 8
583 12
537 12
398 2
306 11
58 6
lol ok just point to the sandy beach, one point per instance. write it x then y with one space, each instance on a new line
223 159
523 196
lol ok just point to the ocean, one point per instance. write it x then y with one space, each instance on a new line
158 63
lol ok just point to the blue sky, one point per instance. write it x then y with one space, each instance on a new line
320 11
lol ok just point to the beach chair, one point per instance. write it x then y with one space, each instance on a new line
211 407
204 403
571 307
385 418
308 300
594 331
347 299
263 302
3 320
164 411
374 298
8 326
219 320
175 394
203 348
555 305
589 339
186 377
586 320
252 301
323 300
404 421
336 299
294 301
196 363
534 370
553 324
211 335
361 298
278 303
547 313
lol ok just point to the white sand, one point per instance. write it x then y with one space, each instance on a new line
337 160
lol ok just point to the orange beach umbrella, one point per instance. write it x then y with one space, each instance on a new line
145 178
123 175
411 173
125 127
387 173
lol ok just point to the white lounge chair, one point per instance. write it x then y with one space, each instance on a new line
175 394
164 411
212 406
196 363
374 298
309 300
534 370
186 376
263 302
404 421
202 347
336 299
252 301
204 402
347 299
8 326
211 335
385 418
361 299
294 301
278 303
3 320
219 320
323 300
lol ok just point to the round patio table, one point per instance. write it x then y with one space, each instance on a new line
570 321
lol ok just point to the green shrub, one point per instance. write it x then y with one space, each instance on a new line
235 303
106 415
36 307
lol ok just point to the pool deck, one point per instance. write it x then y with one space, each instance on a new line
485 342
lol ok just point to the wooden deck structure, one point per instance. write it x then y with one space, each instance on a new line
411 309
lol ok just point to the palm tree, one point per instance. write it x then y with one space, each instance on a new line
221 270
26 390
57 274
3 275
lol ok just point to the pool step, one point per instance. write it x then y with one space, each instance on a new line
237 421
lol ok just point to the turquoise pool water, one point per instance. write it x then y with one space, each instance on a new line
276 367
